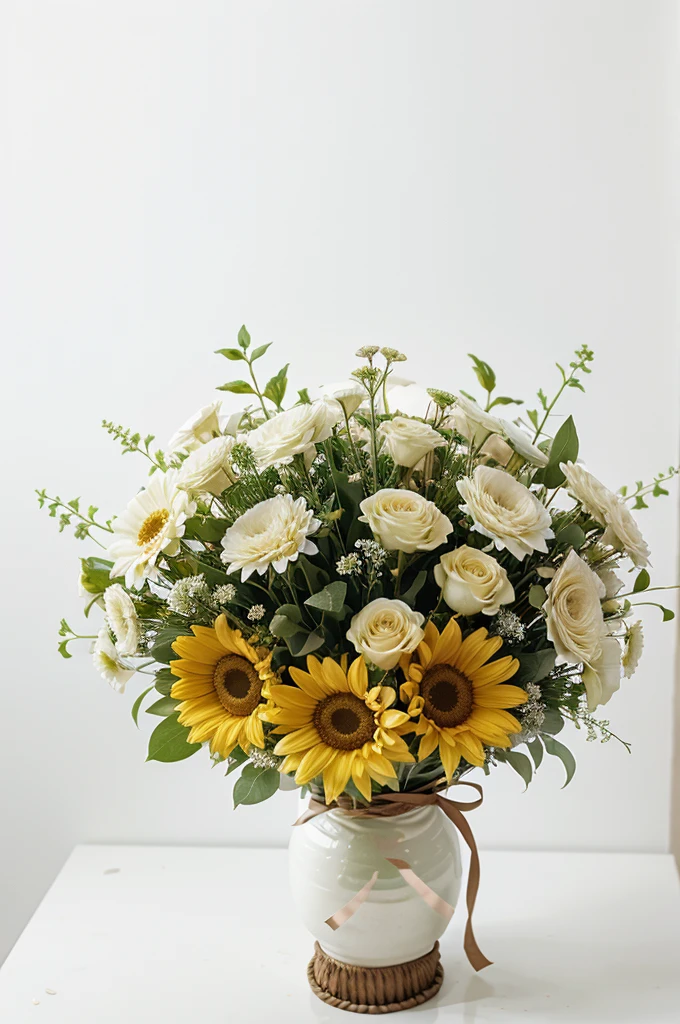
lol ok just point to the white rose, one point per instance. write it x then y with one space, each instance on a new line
523 445
622 532
408 441
122 618
575 623
108 662
506 511
201 427
602 678
472 581
293 432
469 420
349 393
273 532
405 521
208 469
384 630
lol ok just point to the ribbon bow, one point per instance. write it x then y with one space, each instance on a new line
391 804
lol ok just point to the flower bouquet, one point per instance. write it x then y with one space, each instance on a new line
368 594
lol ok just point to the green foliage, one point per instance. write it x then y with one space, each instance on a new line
163 707
331 599
169 741
162 648
255 785
71 515
136 707
564 449
537 596
557 749
642 581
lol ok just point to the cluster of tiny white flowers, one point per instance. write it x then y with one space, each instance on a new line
354 478
279 489
186 594
261 759
256 612
224 594
533 712
509 626
348 565
372 552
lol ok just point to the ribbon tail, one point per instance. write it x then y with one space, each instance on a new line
426 894
472 950
350 908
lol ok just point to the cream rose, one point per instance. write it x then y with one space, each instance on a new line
408 441
201 428
208 469
602 678
294 432
469 420
273 532
575 623
472 581
384 630
122 618
506 511
405 521
622 532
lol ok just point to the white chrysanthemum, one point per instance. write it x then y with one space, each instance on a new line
149 527
108 662
523 445
506 511
408 441
635 642
122 618
602 677
293 432
208 470
469 420
621 531
197 430
274 532
575 624
404 520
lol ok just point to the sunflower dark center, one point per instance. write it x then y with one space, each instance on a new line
344 722
448 696
237 685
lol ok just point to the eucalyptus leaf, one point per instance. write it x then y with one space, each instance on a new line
521 764
138 703
163 707
255 785
535 748
331 599
565 755
537 596
168 742
534 666
552 723
570 536
235 760
302 644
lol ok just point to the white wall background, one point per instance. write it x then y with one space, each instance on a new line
441 176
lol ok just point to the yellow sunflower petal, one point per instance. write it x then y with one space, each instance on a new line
450 759
301 739
292 697
392 718
357 677
448 644
185 689
336 678
337 774
428 743
471 747
495 671
361 779
193 649
314 761
477 648
500 696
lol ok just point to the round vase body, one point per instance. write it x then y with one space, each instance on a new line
334 855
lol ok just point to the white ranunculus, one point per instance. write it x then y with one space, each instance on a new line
108 662
469 420
523 445
582 485
122 618
621 531
404 520
575 624
201 427
384 630
208 470
506 511
472 581
231 424
408 441
349 393
635 642
294 432
497 449
274 532
602 677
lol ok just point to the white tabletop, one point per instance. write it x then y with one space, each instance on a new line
139 935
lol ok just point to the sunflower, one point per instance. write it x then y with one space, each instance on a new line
337 727
222 682
460 695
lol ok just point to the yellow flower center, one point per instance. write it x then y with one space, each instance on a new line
152 526
448 696
344 722
237 685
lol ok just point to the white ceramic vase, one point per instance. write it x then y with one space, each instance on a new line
334 855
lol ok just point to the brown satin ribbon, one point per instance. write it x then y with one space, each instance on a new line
392 804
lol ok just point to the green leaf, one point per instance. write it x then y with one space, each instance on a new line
205 528
564 449
537 596
331 599
275 389
283 626
570 536
642 581
95 574
163 707
410 596
536 750
534 667
255 785
162 649
138 703
243 338
165 680
168 742
238 387
231 353
259 351
304 397
504 400
521 764
483 372
302 644
552 723
236 759
63 649
565 755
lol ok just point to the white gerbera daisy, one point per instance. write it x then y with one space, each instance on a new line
635 642
150 526
122 618
198 429
274 532
108 662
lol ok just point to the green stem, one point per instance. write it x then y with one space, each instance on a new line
257 388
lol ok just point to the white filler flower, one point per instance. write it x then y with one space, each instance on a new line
622 532
404 520
575 623
122 618
472 581
274 532
293 432
197 430
408 441
208 470
150 526
506 511
108 663
384 630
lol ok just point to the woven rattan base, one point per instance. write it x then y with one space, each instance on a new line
375 989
